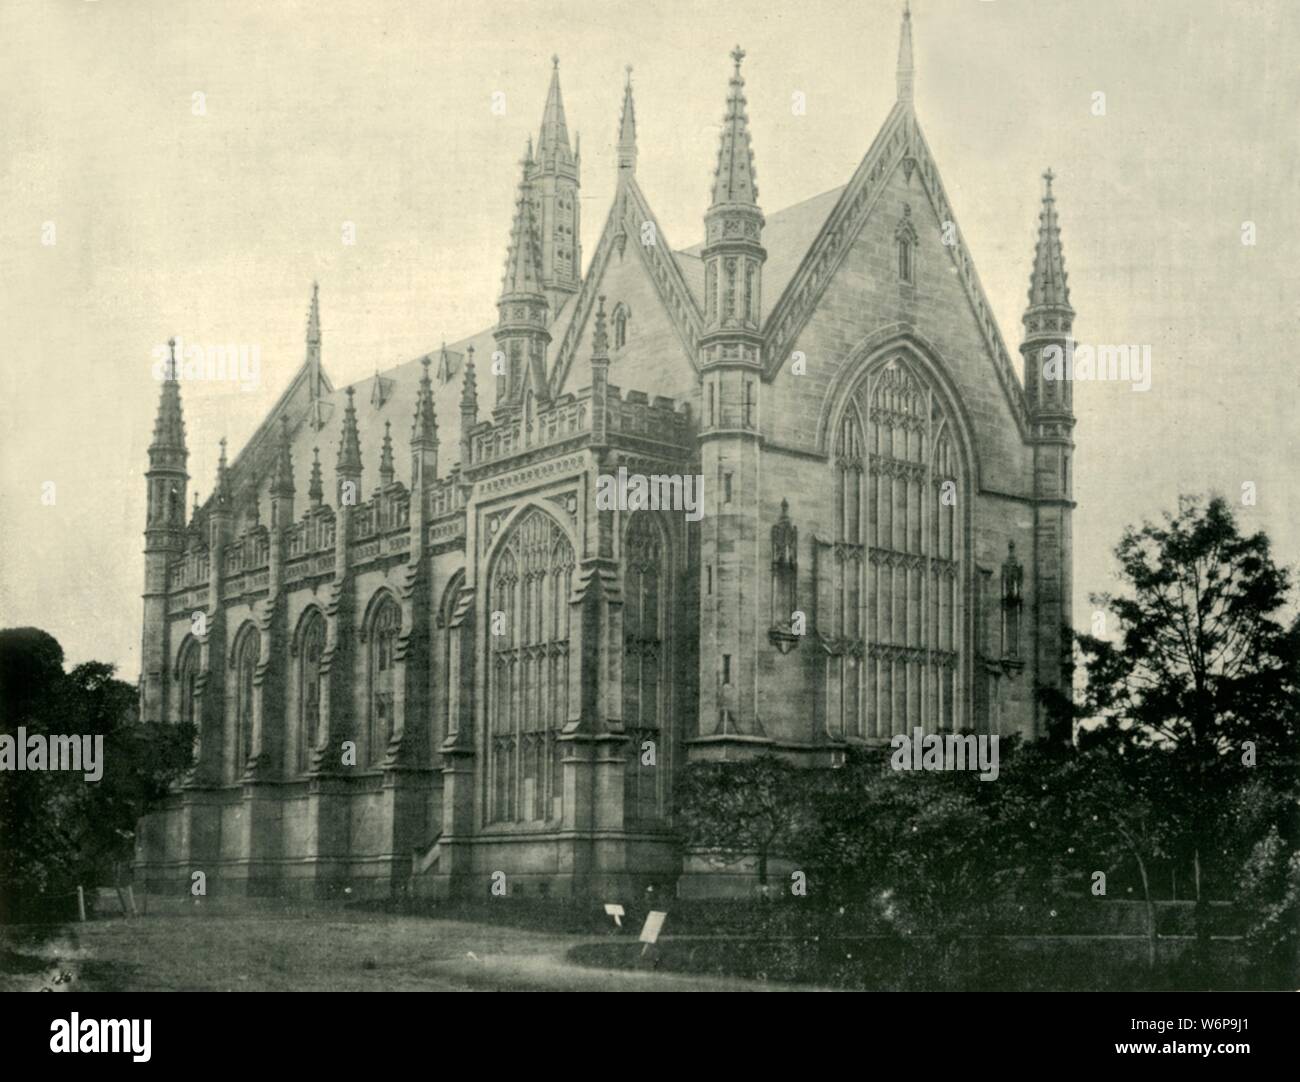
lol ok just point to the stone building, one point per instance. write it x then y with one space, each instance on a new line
416 657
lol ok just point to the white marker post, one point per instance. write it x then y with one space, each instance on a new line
654 924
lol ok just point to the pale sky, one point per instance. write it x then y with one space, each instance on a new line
212 227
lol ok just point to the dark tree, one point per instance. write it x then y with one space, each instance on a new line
57 829
1201 667
753 808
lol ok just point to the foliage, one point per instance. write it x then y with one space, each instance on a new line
1204 671
754 807
56 828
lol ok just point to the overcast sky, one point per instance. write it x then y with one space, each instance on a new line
213 226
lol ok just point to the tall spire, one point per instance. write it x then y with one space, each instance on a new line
282 477
313 343
600 335
468 410
469 387
349 464
733 181
1048 287
556 209
386 472
522 308
221 490
424 433
523 272
425 428
316 486
282 486
906 70
627 129
168 446
553 141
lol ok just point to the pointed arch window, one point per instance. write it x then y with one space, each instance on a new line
897 605
905 239
311 649
385 624
446 614
247 651
187 673
621 316
528 670
646 657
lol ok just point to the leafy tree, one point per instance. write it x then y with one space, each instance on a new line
1203 667
1110 797
757 807
1269 882
56 828
933 853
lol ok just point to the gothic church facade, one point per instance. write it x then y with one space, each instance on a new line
413 661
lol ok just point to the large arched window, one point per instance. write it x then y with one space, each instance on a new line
187 676
647 586
385 624
528 670
247 649
311 647
898 561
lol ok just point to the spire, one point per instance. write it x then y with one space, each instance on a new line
523 273
386 472
627 129
906 71
599 335
468 410
168 447
599 377
469 389
349 464
425 430
733 180
221 490
282 477
553 141
1048 287
313 339
316 487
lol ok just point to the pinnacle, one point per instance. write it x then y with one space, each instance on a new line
734 177
1048 284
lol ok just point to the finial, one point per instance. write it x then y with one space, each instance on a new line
171 358
628 81
737 54
555 60
1048 176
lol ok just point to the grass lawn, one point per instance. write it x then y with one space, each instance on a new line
313 950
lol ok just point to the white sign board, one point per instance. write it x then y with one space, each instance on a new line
654 924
